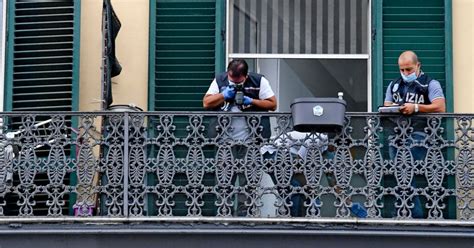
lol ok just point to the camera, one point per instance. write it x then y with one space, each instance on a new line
239 94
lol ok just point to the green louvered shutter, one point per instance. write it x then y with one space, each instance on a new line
42 61
419 26
423 26
42 72
186 48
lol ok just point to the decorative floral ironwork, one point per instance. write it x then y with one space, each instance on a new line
124 164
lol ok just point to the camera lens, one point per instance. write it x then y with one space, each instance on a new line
239 97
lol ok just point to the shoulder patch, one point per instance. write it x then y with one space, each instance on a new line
395 87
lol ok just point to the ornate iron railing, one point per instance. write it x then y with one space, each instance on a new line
162 164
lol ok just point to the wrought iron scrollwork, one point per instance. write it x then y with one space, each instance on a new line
118 164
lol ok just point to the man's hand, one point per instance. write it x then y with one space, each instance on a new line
265 104
437 106
228 93
247 100
407 108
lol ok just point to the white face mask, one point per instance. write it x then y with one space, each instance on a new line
233 83
410 78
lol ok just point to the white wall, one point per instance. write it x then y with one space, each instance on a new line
463 55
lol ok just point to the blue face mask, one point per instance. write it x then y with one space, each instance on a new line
410 78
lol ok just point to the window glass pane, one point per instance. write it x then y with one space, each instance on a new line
299 26
323 78
295 78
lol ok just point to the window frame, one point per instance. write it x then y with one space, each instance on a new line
3 53
229 55
377 54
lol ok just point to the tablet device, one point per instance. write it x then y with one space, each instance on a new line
389 109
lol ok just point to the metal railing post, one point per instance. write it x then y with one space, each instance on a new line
126 163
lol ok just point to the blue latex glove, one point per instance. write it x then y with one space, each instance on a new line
247 100
228 93
359 210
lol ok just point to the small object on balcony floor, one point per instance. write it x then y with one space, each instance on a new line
82 210
358 210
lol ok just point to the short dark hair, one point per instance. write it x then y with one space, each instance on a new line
238 68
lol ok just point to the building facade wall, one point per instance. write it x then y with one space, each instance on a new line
131 86
132 51
463 55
